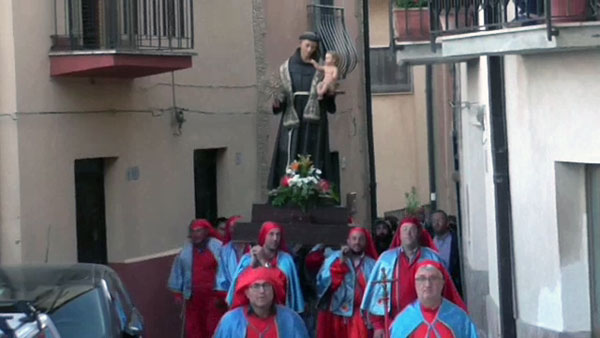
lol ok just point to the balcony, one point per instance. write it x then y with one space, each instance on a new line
121 38
464 29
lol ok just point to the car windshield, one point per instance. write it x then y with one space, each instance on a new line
81 317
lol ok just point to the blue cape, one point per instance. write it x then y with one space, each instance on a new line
229 264
342 300
373 298
180 279
293 294
235 325
453 317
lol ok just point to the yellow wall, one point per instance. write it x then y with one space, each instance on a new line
399 128
400 134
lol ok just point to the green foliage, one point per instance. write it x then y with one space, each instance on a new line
413 205
402 4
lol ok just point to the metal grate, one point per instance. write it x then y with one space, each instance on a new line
123 24
461 16
328 22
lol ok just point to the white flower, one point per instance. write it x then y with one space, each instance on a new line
318 172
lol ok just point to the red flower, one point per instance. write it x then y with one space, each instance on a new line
325 186
285 181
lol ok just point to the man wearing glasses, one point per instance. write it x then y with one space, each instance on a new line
256 310
434 313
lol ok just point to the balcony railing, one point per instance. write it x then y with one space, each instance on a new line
328 22
123 25
451 17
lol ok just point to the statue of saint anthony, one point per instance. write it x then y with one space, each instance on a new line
303 129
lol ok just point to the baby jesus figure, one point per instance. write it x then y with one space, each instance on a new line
330 72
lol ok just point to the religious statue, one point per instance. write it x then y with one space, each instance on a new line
303 129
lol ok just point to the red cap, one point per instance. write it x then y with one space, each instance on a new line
229 228
264 231
198 224
449 292
424 237
370 249
272 276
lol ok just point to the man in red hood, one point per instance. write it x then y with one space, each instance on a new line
271 251
257 311
340 286
193 280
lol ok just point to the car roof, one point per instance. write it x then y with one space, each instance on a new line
47 287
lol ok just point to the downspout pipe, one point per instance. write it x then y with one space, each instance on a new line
430 136
369 111
499 143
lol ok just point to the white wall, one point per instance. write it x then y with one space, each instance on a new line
552 115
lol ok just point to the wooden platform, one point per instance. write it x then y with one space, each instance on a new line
327 225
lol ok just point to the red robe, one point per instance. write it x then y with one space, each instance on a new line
261 328
403 291
430 316
201 311
332 326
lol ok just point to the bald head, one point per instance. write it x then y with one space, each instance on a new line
429 283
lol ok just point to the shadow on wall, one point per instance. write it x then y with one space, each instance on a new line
147 284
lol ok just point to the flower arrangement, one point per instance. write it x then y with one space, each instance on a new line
303 186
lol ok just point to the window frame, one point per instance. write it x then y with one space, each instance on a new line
399 87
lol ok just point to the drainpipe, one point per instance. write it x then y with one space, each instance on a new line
499 142
430 135
369 111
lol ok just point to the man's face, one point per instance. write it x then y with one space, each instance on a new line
221 228
429 283
307 49
381 230
409 233
439 223
260 294
198 236
273 240
356 242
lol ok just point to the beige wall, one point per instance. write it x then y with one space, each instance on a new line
400 134
379 24
399 129
60 120
443 127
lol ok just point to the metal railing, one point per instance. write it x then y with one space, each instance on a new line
449 17
328 22
462 16
123 25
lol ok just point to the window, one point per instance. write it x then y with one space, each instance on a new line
386 75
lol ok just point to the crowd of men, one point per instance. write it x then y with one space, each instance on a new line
402 284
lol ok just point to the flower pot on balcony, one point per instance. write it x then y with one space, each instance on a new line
448 19
412 24
569 10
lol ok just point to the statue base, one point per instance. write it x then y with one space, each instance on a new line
324 224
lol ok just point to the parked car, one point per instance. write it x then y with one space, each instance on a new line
81 300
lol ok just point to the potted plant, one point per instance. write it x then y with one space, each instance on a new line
411 20
303 187
569 10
